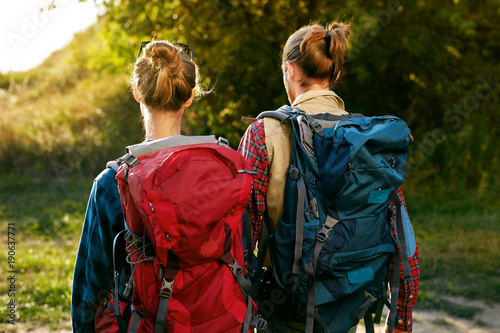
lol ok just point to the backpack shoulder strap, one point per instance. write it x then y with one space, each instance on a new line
112 165
283 113
128 158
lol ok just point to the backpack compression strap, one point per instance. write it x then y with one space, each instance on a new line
235 268
321 237
248 240
166 290
245 285
122 325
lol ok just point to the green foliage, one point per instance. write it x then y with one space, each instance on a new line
434 63
72 120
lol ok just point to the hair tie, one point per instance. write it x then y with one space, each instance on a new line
328 40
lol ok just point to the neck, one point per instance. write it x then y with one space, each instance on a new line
299 90
161 124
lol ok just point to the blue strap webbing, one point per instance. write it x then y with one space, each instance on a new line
400 234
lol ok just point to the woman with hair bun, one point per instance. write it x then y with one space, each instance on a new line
164 81
313 61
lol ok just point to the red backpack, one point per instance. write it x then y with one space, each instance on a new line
183 209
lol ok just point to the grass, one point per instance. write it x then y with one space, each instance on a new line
44 206
47 214
459 240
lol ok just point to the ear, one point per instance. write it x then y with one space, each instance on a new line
190 100
136 93
292 71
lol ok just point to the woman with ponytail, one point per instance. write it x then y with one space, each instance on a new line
313 62
164 81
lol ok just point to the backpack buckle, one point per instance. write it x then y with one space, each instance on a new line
259 323
223 142
317 127
323 234
235 269
294 172
128 159
166 288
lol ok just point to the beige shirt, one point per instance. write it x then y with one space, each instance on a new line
279 145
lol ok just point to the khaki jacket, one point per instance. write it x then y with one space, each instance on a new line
279 145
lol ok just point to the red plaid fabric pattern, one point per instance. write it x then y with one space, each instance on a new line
253 147
408 290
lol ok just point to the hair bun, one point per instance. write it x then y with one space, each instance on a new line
164 76
164 56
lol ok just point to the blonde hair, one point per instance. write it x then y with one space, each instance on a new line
318 51
165 76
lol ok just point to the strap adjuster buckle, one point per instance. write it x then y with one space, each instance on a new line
323 234
235 268
317 127
259 323
167 288
223 142
128 159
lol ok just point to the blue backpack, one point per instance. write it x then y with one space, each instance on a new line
331 252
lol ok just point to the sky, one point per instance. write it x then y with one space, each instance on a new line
28 37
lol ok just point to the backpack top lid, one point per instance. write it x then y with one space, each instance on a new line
370 155
361 160
184 192
152 146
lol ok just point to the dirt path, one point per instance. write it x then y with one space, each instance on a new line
433 321
485 321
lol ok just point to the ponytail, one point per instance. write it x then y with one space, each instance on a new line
319 52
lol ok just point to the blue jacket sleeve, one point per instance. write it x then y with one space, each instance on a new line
93 275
